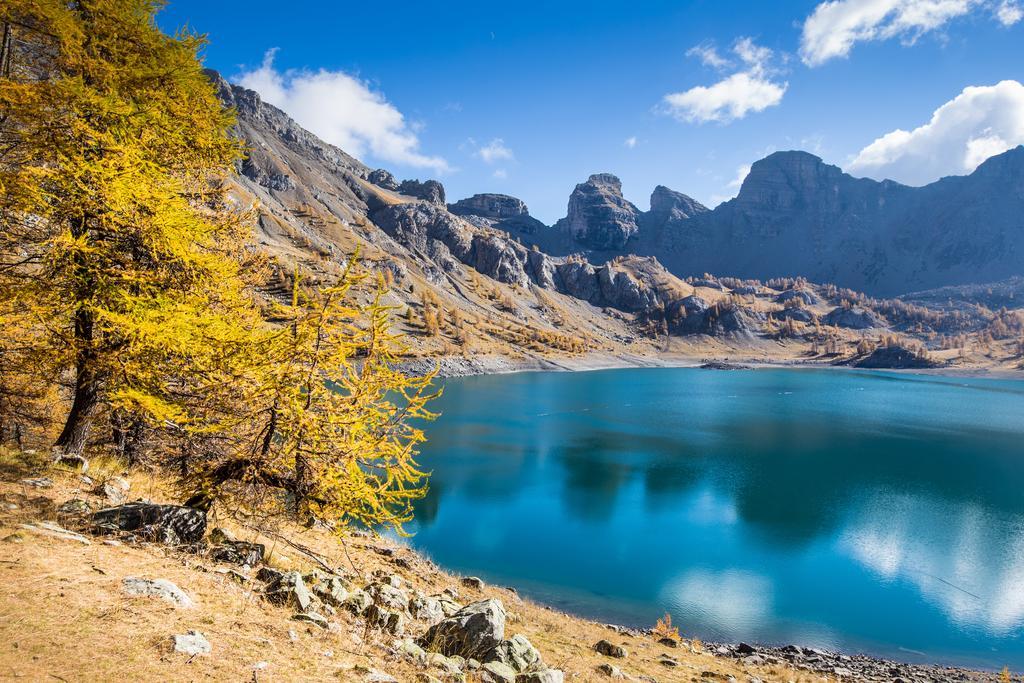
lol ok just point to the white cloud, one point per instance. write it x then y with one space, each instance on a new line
630 142
708 55
752 89
500 173
834 27
976 124
343 110
1009 13
495 150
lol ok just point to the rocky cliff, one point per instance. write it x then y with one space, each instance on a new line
797 216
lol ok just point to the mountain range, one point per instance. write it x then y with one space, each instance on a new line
610 276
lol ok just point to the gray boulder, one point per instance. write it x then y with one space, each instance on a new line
497 672
470 632
171 524
289 589
157 588
192 643
517 653
426 609
609 649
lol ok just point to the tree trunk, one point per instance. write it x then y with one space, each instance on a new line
72 438
128 431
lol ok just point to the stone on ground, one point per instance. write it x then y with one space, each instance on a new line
609 649
156 588
470 632
518 653
497 672
192 643
545 676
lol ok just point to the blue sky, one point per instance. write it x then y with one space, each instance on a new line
529 99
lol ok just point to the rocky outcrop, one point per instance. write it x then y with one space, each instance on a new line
599 217
383 178
497 206
668 210
171 524
429 190
157 588
853 318
471 632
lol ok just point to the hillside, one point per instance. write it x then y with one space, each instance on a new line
484 286
85 604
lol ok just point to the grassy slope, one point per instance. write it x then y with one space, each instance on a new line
63 615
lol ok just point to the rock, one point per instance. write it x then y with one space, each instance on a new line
239 552
157 588
610 671
668 642
854 318
384 179
806 297
38 482
449 607
472 582
289 589
609 649
55 531
470 632
115 489
411 650
429 190
219 535
545 676
330 589
171 524
375 676
497 672
16 537
387 595
670 206
312 618
357 602
496 206
192 643
744 649
598 216
75 507
426 678
517 653
427 609
386 620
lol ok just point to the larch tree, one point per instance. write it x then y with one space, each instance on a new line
118 238
331 425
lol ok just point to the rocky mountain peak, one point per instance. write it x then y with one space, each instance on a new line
599 217
608 180
496 206
668 204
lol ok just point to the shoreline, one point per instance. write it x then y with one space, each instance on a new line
461 366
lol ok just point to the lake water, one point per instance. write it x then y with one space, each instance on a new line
868 512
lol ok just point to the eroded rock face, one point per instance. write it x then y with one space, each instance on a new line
668 205
382 178
496 206
171 524
855 318
620 290
599 217
428 190
471 632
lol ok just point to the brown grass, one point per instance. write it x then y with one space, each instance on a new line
63 615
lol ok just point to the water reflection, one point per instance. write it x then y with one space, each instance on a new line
828 508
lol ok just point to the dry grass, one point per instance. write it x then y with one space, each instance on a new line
63 615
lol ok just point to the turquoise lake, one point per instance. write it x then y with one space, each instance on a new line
868 512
